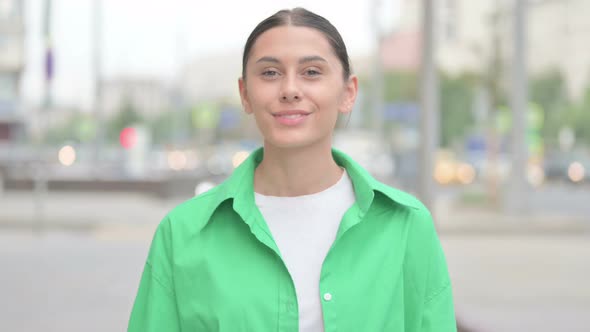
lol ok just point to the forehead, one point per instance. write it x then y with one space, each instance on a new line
286 42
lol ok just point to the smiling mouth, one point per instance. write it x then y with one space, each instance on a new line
290 116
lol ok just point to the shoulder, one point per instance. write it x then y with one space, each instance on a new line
182 223
417 214
401 197
405 199
195 212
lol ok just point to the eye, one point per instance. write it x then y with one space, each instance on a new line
270 73
312 72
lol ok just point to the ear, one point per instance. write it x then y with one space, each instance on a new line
350 93
244 95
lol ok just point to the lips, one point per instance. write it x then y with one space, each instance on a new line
291 118
291 114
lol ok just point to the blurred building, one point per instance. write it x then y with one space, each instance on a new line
147 96
471 33
559 34
464 33
213 77
11 68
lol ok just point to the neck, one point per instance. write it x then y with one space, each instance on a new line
296 172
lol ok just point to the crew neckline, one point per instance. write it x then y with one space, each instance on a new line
338 183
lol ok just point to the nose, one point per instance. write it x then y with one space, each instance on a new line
289 90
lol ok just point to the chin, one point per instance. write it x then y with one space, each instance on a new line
294 142
284 144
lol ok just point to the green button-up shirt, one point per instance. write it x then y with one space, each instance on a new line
213 265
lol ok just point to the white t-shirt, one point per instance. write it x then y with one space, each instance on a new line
304 228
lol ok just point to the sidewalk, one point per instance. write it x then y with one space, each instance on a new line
88 210
483 221
452 217
81 210
520 282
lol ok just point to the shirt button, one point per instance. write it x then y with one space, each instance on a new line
327 297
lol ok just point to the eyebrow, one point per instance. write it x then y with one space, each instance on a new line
305 59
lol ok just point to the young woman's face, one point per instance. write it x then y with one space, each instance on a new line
295 88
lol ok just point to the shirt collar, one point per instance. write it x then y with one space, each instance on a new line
240 185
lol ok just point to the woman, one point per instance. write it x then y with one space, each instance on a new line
300 237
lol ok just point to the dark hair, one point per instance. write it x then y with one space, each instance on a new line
300 17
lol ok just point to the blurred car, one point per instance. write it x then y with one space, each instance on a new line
449 170
467 169
571 167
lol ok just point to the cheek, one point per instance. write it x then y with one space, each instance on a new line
327 96
261 96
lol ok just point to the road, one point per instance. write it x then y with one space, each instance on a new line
81 273
67 281
521 282
86 280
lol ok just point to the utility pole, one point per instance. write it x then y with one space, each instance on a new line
517 200
40 185
494 69
96 68
429 104
49 61
377 86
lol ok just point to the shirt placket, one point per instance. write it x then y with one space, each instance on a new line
328 298
288 315
288 308
328 290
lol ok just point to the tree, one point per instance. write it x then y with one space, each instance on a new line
581 118
456 105
457 94
401 86
548 91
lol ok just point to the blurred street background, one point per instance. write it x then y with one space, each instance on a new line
113 112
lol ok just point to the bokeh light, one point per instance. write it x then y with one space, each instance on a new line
443 173
576 172
128 138
177 160
535 175
67 155
465 173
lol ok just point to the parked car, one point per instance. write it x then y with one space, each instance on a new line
571 167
